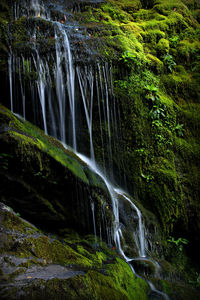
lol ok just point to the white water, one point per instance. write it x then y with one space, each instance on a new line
116 230
36 7
141 235
157 291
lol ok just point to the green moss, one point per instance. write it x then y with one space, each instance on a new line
163 46
181 85
188 50
58 253
179 289
164 7
12 222
30 140
188 149
97 258
128 5
135 287
153 36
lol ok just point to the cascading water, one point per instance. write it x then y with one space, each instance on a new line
84 86
140 237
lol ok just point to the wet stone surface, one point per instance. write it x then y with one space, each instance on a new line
48 272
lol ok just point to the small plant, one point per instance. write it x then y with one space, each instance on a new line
179 242
140 151
174 41
148 178
179 129
123 84
157 112
4 160
27 66
127 57
152 94
169 62
196 281
157 123
40 174
130 59
151 88
196 64
160 139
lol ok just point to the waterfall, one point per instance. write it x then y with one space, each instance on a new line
94 87
83 88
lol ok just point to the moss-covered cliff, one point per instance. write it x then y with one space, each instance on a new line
154 50
47 183
154 47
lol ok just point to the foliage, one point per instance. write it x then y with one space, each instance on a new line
4 159
196 282
157 112
148 177
174 40
179 242
169 62
179 129
130 59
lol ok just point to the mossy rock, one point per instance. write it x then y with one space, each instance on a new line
37 266
163 46
29 160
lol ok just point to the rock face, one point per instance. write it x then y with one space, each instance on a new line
48 184
37 266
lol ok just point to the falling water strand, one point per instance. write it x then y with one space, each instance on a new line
41 84
100 119
157 291
10 68
21 86
60 90
88 111
70 86
94 223
53 130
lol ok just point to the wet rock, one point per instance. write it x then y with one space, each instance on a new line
48 189
41 267
48 272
